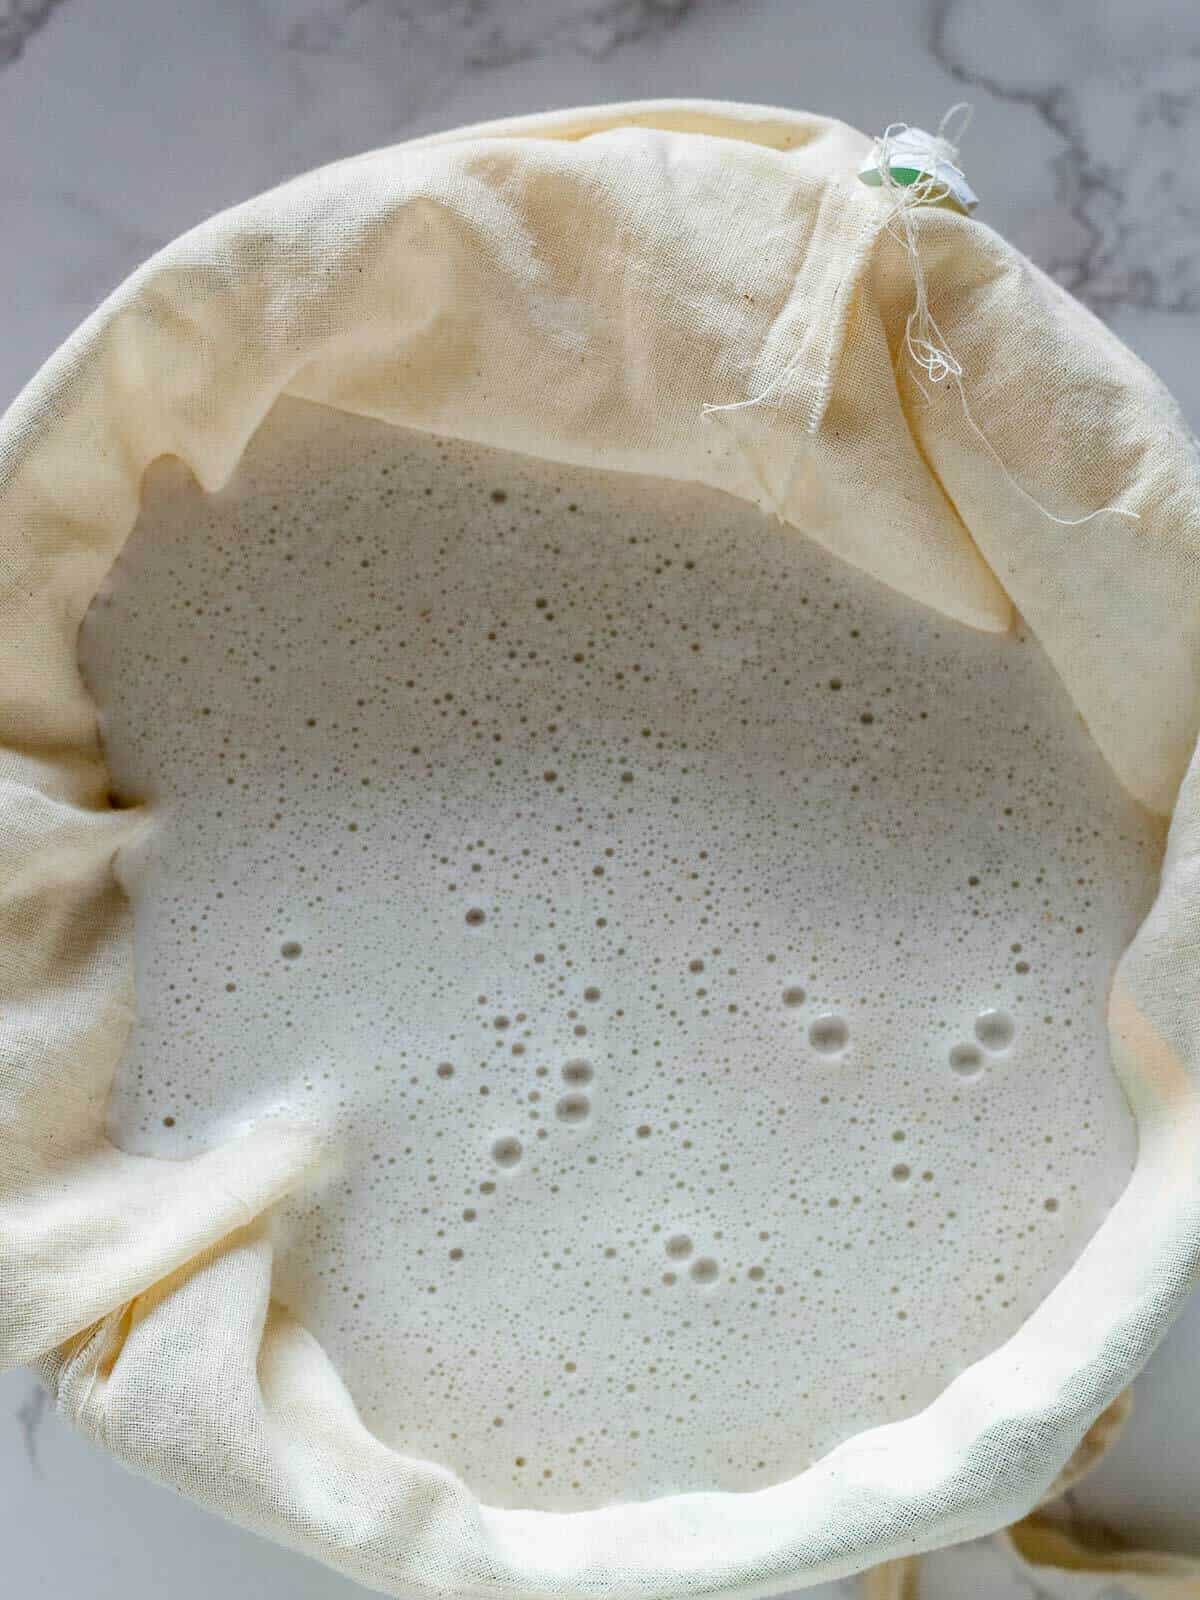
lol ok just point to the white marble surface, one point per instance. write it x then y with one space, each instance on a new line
125 123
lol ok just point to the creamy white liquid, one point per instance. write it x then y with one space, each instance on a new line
626 885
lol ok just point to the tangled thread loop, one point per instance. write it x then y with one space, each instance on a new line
935 157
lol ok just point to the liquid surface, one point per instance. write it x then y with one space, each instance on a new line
696 952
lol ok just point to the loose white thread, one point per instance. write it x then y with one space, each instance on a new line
923 339
927 347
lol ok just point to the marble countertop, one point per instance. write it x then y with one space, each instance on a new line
123 125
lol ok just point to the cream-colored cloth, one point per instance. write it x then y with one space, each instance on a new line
1048 1560
578 286
1058 1565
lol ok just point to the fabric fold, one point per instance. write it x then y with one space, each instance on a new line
577 287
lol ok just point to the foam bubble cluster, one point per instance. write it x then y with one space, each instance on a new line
696 953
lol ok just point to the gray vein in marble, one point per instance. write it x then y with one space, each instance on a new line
30 1415
601 29
1017 1569
482 35
1129 186
95 273
19 21
1034 1589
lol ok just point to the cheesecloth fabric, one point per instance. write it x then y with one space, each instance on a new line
578 286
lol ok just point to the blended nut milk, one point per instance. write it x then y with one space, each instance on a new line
696 953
